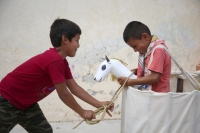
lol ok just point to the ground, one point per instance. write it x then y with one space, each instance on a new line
105 126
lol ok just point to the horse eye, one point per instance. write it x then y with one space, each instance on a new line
103 67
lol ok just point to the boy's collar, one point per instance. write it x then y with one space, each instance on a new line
154 38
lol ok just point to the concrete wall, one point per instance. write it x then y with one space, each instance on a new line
25 25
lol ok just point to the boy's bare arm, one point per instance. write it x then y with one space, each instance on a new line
83 95
153 78
69 100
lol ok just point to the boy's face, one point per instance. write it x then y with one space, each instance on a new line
72 47
140 45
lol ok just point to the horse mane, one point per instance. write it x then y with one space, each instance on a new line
113 77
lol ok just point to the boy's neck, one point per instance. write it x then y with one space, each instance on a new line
60 52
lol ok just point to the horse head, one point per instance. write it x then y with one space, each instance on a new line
116 67
103 70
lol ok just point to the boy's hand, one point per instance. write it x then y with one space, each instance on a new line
134 71
121 81
110 108
88 114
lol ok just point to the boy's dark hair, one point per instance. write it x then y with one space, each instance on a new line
135 30
62 27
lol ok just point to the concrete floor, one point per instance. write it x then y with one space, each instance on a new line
105 126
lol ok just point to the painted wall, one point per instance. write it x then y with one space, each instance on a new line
25 25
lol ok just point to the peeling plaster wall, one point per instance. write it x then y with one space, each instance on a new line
24 32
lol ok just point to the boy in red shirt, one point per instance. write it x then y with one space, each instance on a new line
154 64
21 89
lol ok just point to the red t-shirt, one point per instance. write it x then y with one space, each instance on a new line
34 79
161 64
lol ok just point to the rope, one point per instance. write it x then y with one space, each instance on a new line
190 78
104 107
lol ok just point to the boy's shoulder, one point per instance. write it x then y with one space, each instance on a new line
45 58
50 54
160 52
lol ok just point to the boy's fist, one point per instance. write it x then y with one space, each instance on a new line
121 81
88 114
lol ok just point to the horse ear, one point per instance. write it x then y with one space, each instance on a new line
107 59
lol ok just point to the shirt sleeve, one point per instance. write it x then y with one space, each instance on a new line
157 64
68 74
56 71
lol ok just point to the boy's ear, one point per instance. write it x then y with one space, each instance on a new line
64 39
145 36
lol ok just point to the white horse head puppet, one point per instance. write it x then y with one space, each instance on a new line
114 67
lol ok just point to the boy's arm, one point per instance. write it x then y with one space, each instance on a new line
153 78
83 95
69 100
156 68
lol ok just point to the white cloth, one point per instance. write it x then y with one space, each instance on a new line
151 112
